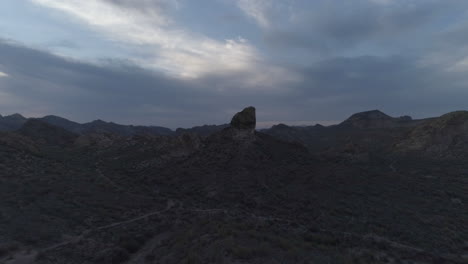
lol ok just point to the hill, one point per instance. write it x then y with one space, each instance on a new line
235 196
11 122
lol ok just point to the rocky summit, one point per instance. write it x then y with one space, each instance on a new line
369 191
245 119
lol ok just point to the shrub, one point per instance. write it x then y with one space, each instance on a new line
112 255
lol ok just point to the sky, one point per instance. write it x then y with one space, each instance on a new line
181 63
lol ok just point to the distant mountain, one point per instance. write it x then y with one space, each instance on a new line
204 130
376 119
11 122
14 122
99 126
301 134
370 131
63 123
44 133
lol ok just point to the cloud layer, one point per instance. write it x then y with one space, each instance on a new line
168 46
295 60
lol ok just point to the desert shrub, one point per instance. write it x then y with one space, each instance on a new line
284 243
150 258
132 245
321 239
246 253
112 255
6 248
192 258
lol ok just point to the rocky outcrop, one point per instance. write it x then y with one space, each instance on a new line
446 135
376 119
245 119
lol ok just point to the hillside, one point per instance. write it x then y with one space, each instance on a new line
16 121
236 195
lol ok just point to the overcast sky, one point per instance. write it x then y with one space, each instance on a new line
179 63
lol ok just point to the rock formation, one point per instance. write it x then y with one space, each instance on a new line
245 119
445 136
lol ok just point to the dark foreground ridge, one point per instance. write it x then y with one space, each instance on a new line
374 189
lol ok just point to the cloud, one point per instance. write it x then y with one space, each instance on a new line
257 10
460 66
154 7
305 60
119 91
3 75
382 2
308 31
268 14
167 46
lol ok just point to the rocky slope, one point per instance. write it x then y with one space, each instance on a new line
11 122
444 136
16 121
235 196
203 131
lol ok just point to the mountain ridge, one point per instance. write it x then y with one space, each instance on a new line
361 120
238 195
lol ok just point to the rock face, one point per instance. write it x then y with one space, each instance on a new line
245 119
446 136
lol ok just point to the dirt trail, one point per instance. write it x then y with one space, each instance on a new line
29 256
85 233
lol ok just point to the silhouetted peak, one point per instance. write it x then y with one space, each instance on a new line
99 121
245 119
369 119
54 117
372 114
280 126
15 117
